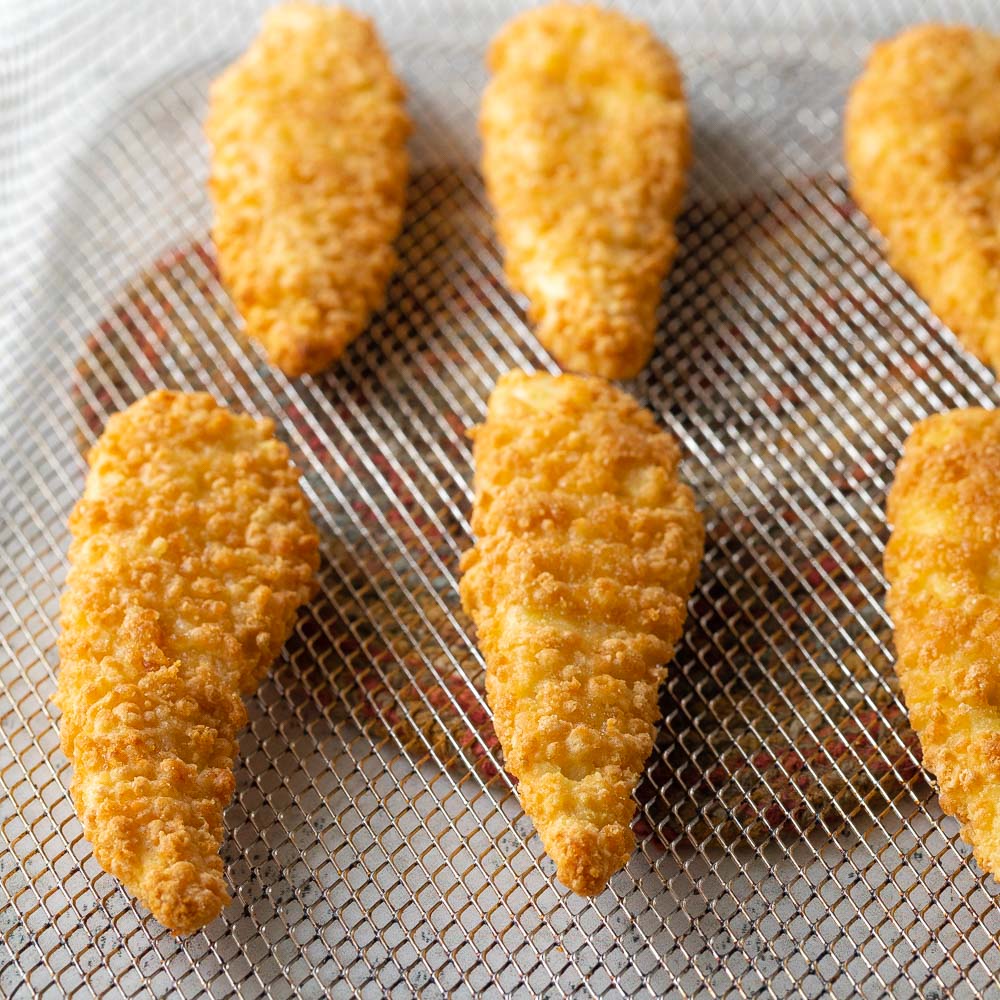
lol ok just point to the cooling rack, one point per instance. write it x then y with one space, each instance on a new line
789 843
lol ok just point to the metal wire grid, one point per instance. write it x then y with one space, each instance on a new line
788 842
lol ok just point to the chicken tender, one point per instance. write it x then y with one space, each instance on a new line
585 146
587 549
943 566
309 168
192 549
923 153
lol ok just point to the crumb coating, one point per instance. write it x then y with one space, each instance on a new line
192 548
308 177
585 147
922 136
587 549
943 567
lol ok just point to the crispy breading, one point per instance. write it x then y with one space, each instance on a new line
585 147
309 167
192 549
922 139
943 566
587 549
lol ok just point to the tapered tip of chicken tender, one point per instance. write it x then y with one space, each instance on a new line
943 566
587 547
191 550
585 147
922 137
309 167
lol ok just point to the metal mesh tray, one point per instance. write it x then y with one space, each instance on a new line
789 843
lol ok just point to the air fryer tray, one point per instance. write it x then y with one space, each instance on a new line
789 843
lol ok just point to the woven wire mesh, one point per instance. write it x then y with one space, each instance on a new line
788 841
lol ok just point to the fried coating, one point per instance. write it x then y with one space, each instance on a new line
587 549
943 566
192 549
922 138
585 147
309 168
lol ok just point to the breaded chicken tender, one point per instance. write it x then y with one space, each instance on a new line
923 152
587 549
943 566
192 549
309 167
585 146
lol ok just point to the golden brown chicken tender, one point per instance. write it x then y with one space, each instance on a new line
587 549
923 152
309 167
943 566
585 146
192 549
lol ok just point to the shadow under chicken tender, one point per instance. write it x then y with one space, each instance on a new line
587 549
922 138
192 549
585 146
943 566
309 168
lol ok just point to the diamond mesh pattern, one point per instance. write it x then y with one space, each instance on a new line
789 843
